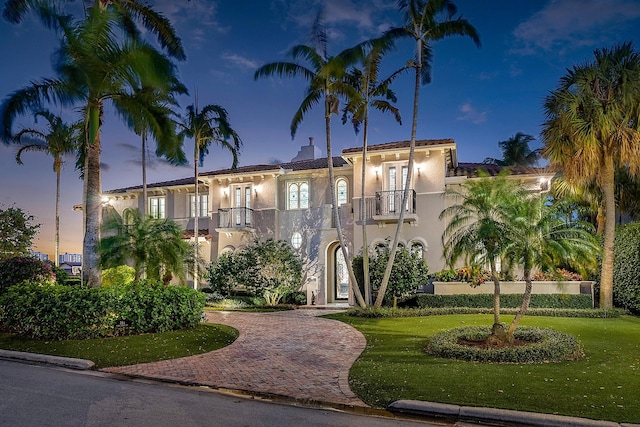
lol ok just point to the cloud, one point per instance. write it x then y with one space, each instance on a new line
566 24
240 61
470 114
183 15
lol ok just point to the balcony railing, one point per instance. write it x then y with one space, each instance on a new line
385 206
235 218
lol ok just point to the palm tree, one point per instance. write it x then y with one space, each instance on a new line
154 246
476 231
168 145
592 129
325 76
370 92
426 21
541 239
94 65
60 139
206 126
127 13
516 152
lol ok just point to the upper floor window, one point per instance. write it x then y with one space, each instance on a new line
157 207
342 194
298 195
203 205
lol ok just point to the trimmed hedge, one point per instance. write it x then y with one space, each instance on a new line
546 345
626 274
506 301
68 312
371 312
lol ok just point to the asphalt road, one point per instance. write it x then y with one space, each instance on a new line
33 395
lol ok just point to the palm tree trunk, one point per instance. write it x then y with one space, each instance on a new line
608 191
405 195
92 214
334 202
56 243
196 230
144 174
526 299
496 295
363 219
600 220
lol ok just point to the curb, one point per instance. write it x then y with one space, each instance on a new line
65 362
492 416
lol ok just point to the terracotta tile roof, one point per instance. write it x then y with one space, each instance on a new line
401 144
294 166
470 170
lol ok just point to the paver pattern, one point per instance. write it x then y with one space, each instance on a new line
292 353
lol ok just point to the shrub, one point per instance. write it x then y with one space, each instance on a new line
473 274
296 298
371 312
121 275
19 269
69 312
506 301
546 345
626 274
269 269
409 272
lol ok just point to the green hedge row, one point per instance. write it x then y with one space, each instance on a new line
60 312
506 301
371 312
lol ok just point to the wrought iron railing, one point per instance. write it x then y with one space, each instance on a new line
388 203
235 218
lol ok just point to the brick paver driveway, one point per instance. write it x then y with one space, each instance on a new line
292 353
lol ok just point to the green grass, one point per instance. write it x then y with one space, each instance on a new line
120 351
602 385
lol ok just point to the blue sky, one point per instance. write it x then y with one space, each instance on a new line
477 97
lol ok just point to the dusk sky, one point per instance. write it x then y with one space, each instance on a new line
478 96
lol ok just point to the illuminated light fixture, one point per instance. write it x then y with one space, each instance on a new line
225 191
256 190
377 171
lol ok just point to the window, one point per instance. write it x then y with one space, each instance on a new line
417 249
203 205
157 207
296 240
341 192
298 195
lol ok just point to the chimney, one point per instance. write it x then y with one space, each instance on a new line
307 152
310 140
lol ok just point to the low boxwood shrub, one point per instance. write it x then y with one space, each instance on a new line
295 298
506 301
371 312
49 311
545 345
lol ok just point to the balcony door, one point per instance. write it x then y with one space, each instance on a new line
242 204
396 179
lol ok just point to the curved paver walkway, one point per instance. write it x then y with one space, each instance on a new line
292 353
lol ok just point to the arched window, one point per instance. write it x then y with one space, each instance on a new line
304 195
298 195
417 249
342 195
294 196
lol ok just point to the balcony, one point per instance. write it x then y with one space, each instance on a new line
235 219
385 207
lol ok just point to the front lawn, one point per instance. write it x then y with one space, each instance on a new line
130 350
602 385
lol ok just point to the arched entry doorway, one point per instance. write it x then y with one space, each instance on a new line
337 274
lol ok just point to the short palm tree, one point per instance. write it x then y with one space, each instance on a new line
475 229
60 139
426 21
592 129
206 126
369 93
516 152
324 74
153 247
94 65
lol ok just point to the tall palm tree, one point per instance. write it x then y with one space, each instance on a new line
154 246
325 76
475 228
58 140
127 13
592 129
541 239
426 21
168 145
94 65
516 152
369 92
206 126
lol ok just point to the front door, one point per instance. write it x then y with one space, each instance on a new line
341 276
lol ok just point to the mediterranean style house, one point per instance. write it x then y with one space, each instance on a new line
292 202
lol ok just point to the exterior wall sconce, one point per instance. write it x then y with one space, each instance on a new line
106 201
377 170
225 192
418 170
256 190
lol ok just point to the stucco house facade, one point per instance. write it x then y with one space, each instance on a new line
292 202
